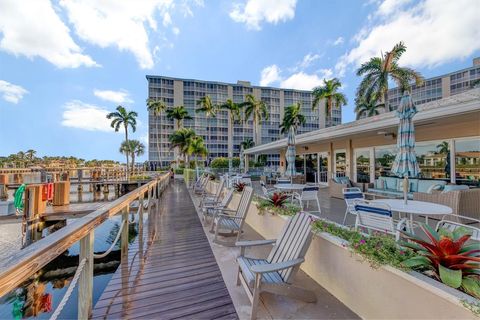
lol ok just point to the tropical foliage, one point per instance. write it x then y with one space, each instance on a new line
247 143
196 147
368 106
125 119
329 92
239 186
293 118
285 209
379 70
448 257
178 114
257 110
233 110
222 163
206 106
278 199
180 139
132 148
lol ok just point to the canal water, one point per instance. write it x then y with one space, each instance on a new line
39 296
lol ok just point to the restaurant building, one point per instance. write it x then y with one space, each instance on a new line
447 134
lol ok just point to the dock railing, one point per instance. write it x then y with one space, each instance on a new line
28 261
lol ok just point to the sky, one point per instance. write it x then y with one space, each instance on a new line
64 64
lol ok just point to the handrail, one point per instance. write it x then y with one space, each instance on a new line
25 263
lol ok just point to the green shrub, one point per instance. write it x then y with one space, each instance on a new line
179 170
222 163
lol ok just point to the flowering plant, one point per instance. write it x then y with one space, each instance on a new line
239 186
278 199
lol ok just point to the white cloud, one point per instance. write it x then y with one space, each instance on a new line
80 115
122 24
176 31
254 12
11 92
434 31
308 59
32 28
338 41
270 75
120 97
301 81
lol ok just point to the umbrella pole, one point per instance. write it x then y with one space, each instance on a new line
405 190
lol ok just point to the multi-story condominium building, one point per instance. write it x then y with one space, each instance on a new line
440 87
186 92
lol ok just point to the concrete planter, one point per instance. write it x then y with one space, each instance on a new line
382 293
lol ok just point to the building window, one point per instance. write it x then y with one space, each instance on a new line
384 158
362 165
432 158
340 163
467 162
299 164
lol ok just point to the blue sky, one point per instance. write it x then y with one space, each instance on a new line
65 63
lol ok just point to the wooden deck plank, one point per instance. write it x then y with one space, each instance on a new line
170 271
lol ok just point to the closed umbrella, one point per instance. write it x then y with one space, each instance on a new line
405 164
242 164
290 155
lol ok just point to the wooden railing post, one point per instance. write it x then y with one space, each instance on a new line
124 237
85 286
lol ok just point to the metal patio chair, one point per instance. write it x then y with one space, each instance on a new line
350 195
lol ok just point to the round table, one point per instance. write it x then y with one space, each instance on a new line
414 207
289 187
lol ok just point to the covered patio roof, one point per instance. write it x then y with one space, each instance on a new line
460 104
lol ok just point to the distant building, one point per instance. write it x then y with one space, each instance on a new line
187 92
440 87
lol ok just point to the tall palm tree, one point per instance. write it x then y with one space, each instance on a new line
206 106
180 140
156 107
379 70
124 118
30 154
329 93
196 147
233 110
293 118
246 144
258 111
132 148
368 106
178 114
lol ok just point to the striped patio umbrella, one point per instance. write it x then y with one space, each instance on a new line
290 155
405 164
242 163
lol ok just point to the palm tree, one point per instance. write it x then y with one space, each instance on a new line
180 140
233 115
124 118
30 154
132 148
178 114
156 107
196 147
368 106
443 147
246 144
293 118
256 109
329 92
210 109
379 70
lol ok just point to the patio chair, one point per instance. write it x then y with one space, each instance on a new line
377 217
200 185
226 224
309 193
275 274
213 209
267 192
213 198
350 195
453 222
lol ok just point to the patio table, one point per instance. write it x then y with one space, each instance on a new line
414 207
289 187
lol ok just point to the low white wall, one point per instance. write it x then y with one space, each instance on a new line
385 292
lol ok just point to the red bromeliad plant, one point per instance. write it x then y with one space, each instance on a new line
239 186
447 257
278 199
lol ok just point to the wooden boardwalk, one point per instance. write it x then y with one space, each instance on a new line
170 272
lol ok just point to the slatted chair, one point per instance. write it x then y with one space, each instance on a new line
350 195
276 273
309 193
211 210
377 217
213 199
200 186
232 221
454 222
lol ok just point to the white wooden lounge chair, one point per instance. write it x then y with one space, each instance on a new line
211 209
377 217
213 199
276 273
229 222
200 186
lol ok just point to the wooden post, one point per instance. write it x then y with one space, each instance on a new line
149 200
124 240
85 285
